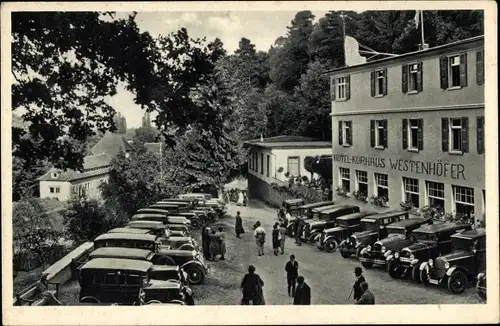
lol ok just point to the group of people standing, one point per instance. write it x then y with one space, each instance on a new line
213 243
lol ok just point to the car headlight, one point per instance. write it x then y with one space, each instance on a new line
431 262
396 255
447 265
368 248
383 249
412 256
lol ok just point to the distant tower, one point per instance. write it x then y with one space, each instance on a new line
146 120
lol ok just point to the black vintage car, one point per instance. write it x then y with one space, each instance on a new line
190 261
128 240
398 237
183 242
457 268
430 241
179 228
326 220
481 285
304 212
184 202
345 226
374 228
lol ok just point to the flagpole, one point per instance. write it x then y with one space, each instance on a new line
422 27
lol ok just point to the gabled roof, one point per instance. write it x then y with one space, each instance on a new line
111 144
90 162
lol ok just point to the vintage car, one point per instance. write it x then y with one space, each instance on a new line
205 212
173 242
326 220
219 206
166 211
346 225
457 268
202 196
429 242
128 240
481 285
196 219
398 237
186 202
373 229
126 282
291 205
304 212
191 261
181 225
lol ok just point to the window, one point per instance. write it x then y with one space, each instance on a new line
55 175
480 67
453 71
382 185
293 166
345 179
362 181
58 190
464 200
378 81
455 135
411 191
480 134
268 164
256 158
340 88
413 134
261 163
435 194
345 133
378 129
52 190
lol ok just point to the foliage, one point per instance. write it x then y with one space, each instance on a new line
361 196
381 201
120 123
342 192
145 135
25 175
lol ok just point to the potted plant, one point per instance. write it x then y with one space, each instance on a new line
362 197
280 169
379 201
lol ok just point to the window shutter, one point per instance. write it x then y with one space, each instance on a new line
443 71
445 134
384 141
372 83
349 134
463 69
465 135
405 133
420 137
348 88
420 81
384 83
341 141
480 135
404 79
480 67
332 88
372 133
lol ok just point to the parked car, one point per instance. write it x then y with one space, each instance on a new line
177 227
126 282
481 285
191 261
462 265
346 225
304 212
398 237
128 240
218 205
173 242
203 196
430 241
205 212
326 219
166 211
373 229
196 219
291 205
188 202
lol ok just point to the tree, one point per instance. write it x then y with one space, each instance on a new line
282 112
120 123
145 135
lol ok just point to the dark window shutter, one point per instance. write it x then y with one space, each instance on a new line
420 137
384 141
463 69
445 134
404 79
420 81
340 133
372 133
384 83
349 133
372 83
405 133
348 88
465 135
332 89
480 67
443 71
480 135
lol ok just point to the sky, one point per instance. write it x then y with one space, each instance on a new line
261 28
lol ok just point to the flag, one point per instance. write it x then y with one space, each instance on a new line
417 18
351 52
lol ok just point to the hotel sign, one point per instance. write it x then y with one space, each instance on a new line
440 169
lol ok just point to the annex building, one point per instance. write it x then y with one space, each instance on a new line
410 128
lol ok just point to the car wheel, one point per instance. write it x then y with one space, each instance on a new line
366 264
457 282
195 275
415 274
165 260
424 277
180 302
186 246
331 245
393 269
153 302
195 223
89 300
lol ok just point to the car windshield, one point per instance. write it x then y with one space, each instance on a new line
422 236
369 226
462 244
302 212
396 230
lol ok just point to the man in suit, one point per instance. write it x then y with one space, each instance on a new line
302 293
292 272
357 284
367 297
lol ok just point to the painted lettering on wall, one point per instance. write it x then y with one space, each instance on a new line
440 169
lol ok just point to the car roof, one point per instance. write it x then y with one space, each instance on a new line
146 225
355 215
185 214
122 253
176 252
143 215
324 208
407 222
152 210
118 264
127 236
128 230
336 209
294 201
440 227
471 234
314 205
385 214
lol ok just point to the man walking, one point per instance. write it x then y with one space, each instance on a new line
251 288
298 233
238 225
358 291
367 297
275 239
282 237
302 293
260 238
292 271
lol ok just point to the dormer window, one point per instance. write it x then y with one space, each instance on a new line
55 175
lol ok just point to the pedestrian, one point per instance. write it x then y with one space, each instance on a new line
214 245
238 225
357 284
292 272
288 216
281 214
205 241
367 297
222 243
302 292
260 238
275 238
282 237
245 199
251 288
298 233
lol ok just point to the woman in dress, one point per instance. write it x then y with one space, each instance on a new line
276 241
238 225
214 245
205 241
